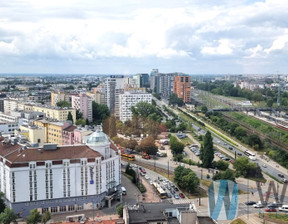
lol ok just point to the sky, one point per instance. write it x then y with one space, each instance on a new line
136 36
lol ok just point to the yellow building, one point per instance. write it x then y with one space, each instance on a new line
60 114
34 134
57 97
53 130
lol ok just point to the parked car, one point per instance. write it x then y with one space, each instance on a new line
239 154
284 180
230 148
258 205
264 165
272 205
181 195
271 210
176 196
284 208
142 170
250 203
169 195
281 175
176 189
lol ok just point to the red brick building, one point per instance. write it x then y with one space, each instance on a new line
182 87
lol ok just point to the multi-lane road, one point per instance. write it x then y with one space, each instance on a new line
269 167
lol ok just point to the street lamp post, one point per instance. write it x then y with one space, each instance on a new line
168 168
201 174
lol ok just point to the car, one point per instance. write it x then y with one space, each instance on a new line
239 153
169 195
230 148
147 177
270 210
264 165
181 195
284 180
151 182
272 205
250 203
232 161
281 175
176 189
258 205
172 191
142 170
176 196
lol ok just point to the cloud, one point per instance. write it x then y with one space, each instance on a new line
152 31
225 47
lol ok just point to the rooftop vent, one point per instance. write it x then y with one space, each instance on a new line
50 146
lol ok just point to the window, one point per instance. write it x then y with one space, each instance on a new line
44 210
54 209
71 208
79 207
62 208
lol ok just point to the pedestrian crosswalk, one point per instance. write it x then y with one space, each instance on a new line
182 201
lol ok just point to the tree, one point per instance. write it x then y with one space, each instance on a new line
78 114
46 217
190 182
143 109
2 203
182 127
225 175
100 112
81 122
174 100
34 217
204 109
177 147
207 151
148 145
120 210
63 103
112 127
221 165
131 144
7 216
70 117
186 179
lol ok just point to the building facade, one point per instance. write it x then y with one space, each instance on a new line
182 87
59 179
83 103
129 99
58 96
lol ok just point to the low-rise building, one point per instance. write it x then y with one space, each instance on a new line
150 213
35 135
68 135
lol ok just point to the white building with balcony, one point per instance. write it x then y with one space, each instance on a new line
129 99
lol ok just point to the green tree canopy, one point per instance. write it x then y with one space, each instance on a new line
100 112
225 175
7 216
34 217
70 117
207 151
63 104
2 203
46 217
175 100
186 179
176 146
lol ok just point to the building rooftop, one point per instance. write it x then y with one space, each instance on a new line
70 128
16 153
97 138
151 212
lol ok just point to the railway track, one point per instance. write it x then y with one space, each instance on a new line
261 135
150 167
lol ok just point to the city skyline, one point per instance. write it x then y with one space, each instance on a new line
126 37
